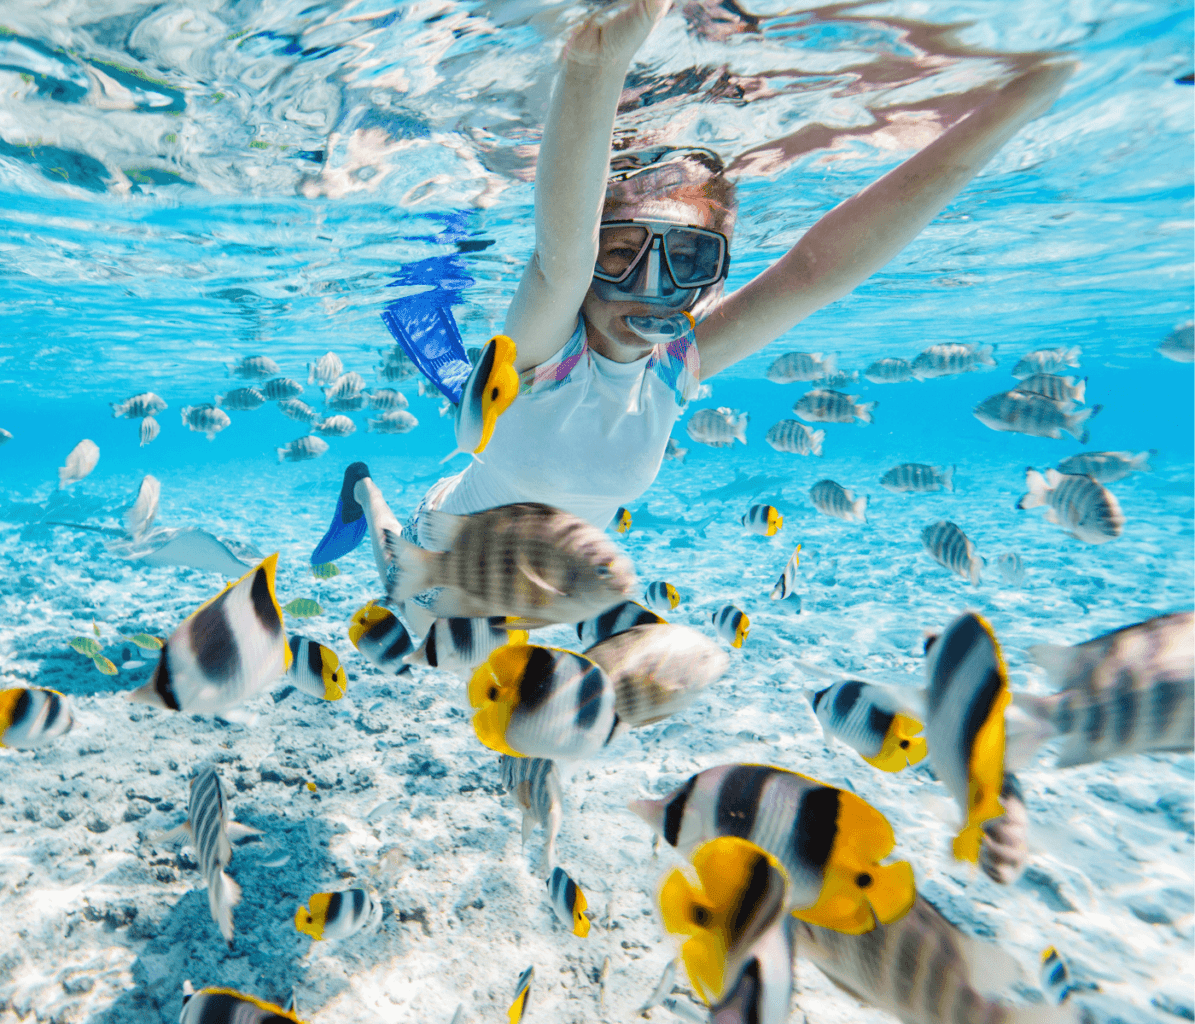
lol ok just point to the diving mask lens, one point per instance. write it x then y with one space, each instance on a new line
653 258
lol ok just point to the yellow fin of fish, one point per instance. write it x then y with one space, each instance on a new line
985 776
104 665
494 690
311 922
902 746
519 1006
95 627
502 388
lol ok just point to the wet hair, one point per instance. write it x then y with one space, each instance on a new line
689 174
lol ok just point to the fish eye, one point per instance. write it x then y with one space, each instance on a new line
904 744
701 916
492 693
863 880
494 395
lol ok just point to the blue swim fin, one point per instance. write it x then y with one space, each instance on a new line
348 522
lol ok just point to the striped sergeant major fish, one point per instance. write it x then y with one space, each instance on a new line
660 596
150 428
542 702
618 619
228 1006
801 366
231 649
952 549
386 399
1086 510
33 716
254 368
731 624
1130 691
918 478
657 670
1021 412
1046 360
337 915
828 840
459 645
138 407
1004 848
824 405
1012 568
672 450
489 390
762 994
872 720
951 358
923 970
280 389
347 385
568 902
210 829
325 369
535 785
241 400
741 893
889 371
1061 389
205 418
718 428
522 995
381 638
832 499
302 449
788 578
315 669
298 410
763 520
1107 467
796 438
965 699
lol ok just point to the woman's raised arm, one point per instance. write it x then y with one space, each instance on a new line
860 235
570 176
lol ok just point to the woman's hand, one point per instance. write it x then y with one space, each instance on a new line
611 36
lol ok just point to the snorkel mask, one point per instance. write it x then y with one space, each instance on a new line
658 263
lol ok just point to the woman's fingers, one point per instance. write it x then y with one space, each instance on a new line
613 34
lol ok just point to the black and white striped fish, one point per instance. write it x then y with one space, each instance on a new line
535 784
801 366
1004 848
150 428
354 402
138 407
456 645
302 449
1085 509
298 410
616 620
228 1006
337 915
241 400
794 437
889 371
660 596
33 716
950 358
919 478
280 388
872 720
1046 360
209 830
1061 389
231 649
387 398
347 385
788 578
381 638
718 428
1012 568
829 406
205 419
568 902
1129 691
1022 412
254 368
335 426
762 993
952 549
396 421
731 624
325 369
489 390
315 669
518 1008
832 499
1107 467
764 520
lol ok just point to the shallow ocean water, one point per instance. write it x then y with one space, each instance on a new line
154 228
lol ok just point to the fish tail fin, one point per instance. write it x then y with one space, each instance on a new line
173 835
1038 489
739 428
830 364
1072 355
1056 659
528 827
984 354
281 451
816 438
1140 461
223 894
859 508
975 569
410 568
863 410
948 478
219 401
311 373
1080 394
1027 725
1076 423
231 367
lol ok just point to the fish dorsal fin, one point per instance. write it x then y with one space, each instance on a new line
439 530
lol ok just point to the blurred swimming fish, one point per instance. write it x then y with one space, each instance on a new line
660 596
457 645
568 902
1128 691
301 449
86 646
801 366
788 578
226 652
952 549
663 987
325 570
315 669
182 546
325 370
145 641
298 410
397 421
832 499
617 619
81 461
522 994
1026 413
657 669
6 436
718 428
241 400
137 407
740 893
951 358
1055 976
140 515
205 419
542 702
672 450
228 1006
889 371
254 368
1107 467
535 784
33 716
1004 848
104 665
335 426
762 992
835 879
387 398
964 726
840 379
489 390
303 607
871 720
337 915
763 520
210 829
1085 509
395 365
731 624
348 403
829 406
622 520
526 560
1179 344
347 385
795 438
1046 360
377 633
1012 568
918 478
1061 389
150 428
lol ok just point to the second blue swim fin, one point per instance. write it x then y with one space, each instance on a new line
348 522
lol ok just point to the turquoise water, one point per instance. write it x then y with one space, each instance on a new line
183 186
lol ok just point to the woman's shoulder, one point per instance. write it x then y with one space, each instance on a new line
559 367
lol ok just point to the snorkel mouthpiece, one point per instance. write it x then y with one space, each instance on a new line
660 330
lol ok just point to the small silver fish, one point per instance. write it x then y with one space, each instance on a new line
951 358
1061 389
241 400
139 516
1085 509
801 366
396 365
205 419
672 450
347 403
1012 568
1026 413
397 421
889 371
387 398
535 784
346 385
150 428
302 449
138 407
663 987
281 388
6 436
718 428
1107 467
840 380
335 426
83 458
1046 360
1179 344
918 478
832 499
794 437
952 549
828 406
295 409
254 368
325 369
